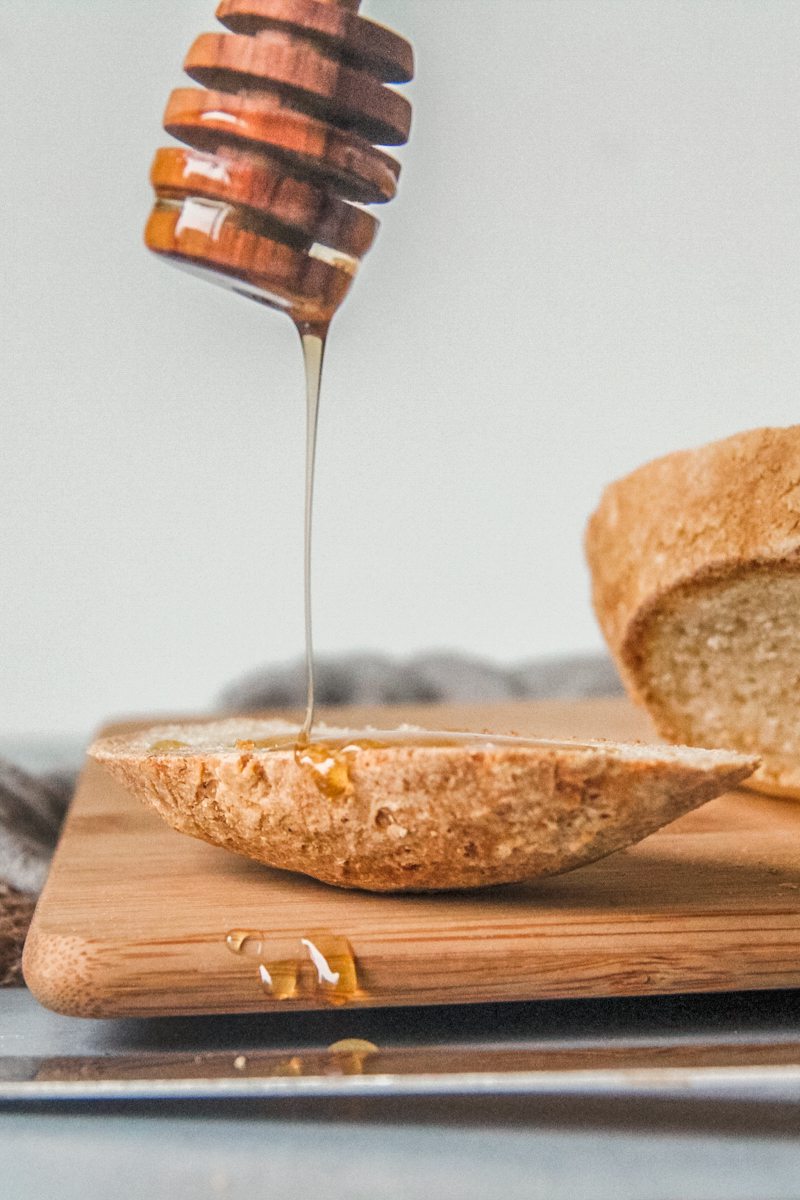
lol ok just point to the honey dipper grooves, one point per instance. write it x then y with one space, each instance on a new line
280 139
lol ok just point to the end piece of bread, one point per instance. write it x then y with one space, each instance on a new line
695 562
418 818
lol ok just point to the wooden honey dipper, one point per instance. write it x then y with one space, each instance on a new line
281 152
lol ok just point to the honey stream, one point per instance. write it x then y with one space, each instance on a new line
313 339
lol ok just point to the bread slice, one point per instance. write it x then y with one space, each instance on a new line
695 562
465 812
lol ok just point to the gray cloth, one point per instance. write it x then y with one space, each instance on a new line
428 678
31 811
32 807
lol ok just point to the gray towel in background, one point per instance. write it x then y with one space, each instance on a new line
426 678
32 808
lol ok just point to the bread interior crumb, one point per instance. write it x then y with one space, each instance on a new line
721 662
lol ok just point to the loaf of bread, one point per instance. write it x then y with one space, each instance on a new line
695 563
411 816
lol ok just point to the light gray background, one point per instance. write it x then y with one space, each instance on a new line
593 260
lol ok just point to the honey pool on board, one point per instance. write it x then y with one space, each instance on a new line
320 965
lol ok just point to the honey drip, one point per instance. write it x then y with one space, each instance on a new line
279 978
313 338
245 941
329 765
349 1055
319 966
330 761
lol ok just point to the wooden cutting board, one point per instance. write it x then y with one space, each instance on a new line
134 917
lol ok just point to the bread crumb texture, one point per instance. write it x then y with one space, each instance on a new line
696 585
418 817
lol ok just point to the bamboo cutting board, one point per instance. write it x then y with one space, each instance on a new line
134 917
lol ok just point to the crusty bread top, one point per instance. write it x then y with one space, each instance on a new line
452 811
690 515
230 737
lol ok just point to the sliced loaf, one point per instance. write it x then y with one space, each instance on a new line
695 562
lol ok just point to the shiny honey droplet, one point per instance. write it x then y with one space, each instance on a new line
279 978
248 942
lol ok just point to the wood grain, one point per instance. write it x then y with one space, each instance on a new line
279 205
133 917
293 68
340 32
352 5
212 237
341 160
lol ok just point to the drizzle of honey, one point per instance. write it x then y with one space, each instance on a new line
329 766
330 761
324 967
166 744
313 338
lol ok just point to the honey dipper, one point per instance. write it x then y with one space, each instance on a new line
280 152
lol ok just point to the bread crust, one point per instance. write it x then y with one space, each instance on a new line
679 523
423 818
